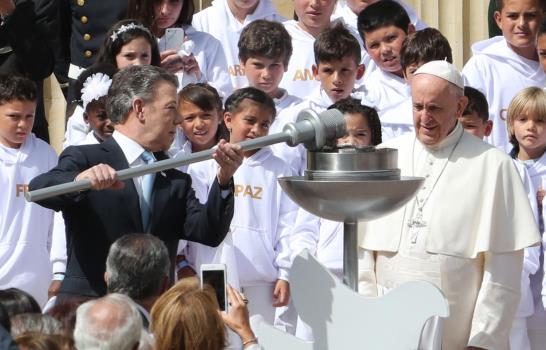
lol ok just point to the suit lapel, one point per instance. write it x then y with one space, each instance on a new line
117 160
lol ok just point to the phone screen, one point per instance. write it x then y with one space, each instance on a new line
215 278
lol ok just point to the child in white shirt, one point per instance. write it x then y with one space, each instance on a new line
526 124
225 19
25 227
263 213
383 26
265 49
336 68
502 66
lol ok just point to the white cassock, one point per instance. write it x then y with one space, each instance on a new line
25 227
210 57
218 21
499 73
469 240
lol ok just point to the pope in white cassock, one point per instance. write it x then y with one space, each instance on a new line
466 228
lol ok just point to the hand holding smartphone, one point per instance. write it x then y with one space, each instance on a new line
215 276
174 38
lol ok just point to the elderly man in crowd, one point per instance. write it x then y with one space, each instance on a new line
138 266
142 102
111 322
466 229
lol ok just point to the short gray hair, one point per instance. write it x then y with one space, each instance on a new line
119 328
34 323
131 83
137 266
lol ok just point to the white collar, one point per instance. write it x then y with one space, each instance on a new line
130 148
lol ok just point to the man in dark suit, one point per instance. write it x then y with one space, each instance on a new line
142 102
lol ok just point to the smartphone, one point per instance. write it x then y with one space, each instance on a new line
215 276
174 37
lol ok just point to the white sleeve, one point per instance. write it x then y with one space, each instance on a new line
57 254
497 300
287 215
76 128
217 69
306 233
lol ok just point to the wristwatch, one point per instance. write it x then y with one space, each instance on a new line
227 186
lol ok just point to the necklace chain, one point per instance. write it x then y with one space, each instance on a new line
439 175
417 222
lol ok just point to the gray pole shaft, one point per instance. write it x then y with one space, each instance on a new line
350 256
161 165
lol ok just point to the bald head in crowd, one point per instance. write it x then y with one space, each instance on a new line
109 323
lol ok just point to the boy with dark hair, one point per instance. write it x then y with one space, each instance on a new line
265 48
25 228
418 48
225 19
504 65
337 67
383 26
475 118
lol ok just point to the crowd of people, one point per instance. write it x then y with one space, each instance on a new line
115 267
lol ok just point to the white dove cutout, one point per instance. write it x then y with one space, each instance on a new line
343 319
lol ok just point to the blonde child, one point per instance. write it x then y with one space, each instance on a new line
526 124
263 213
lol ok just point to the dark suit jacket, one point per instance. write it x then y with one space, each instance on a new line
31 55
95 219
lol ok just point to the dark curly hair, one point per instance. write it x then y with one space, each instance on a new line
352 105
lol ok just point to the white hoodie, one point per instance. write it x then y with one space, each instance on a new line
499 73
25 228
218 21
263 217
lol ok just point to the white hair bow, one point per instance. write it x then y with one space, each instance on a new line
95 87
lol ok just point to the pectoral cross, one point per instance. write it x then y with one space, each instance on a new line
415 225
